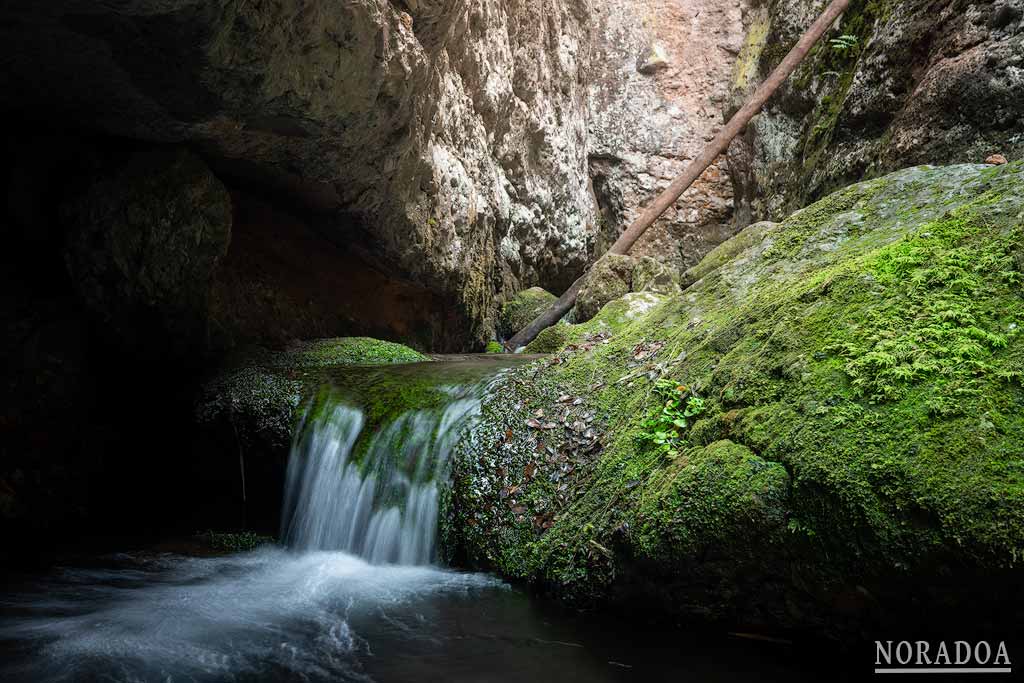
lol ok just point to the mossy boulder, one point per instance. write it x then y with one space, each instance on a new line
259 393
610 278
727 251
857 443
347 351
551 339
614 276
651 275
521 309
614 316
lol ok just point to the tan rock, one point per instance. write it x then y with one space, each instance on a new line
996 160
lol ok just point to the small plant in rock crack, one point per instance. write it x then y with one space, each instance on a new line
844 43
679 405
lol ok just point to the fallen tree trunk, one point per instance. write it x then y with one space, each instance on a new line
715 148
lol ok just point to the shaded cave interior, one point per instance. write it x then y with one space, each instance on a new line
97 431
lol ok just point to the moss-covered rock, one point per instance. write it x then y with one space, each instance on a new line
520 310
550 339
729 250
615 276
857 443
615 315
260 392
348 351
651 275
610 278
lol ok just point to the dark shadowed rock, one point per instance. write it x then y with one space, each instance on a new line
145 238
455 133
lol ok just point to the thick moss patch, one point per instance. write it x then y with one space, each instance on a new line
861 366
349 351
612 318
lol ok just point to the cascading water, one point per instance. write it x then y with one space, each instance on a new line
379 502
317 612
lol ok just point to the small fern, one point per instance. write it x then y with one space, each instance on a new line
844 43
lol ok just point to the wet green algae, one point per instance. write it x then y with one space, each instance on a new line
862 368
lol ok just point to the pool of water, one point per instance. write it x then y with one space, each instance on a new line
279 615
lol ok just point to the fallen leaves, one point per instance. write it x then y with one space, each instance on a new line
529 470
647 350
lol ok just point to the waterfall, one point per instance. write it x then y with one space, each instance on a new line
376 496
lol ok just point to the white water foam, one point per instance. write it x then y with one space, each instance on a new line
382 506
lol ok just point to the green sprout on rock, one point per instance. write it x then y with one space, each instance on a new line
679 404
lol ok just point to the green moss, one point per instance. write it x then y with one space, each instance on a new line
945 318
615 316
727 251
550 339
494 347
259 393
350 351
521 309
717 495
862 372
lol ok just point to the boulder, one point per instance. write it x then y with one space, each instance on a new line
610 278
824 427
657 277
521 309
615 276
259 392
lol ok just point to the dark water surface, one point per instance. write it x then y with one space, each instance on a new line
275 615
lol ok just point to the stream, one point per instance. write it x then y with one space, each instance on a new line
355 593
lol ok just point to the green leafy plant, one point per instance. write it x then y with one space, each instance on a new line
678 405
844 43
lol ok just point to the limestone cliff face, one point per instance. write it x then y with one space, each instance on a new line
926 81
660 82
469 148
454 132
